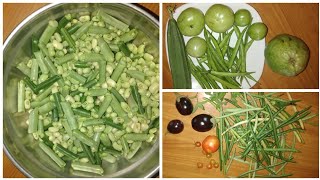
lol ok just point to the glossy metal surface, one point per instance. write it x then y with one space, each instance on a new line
20 146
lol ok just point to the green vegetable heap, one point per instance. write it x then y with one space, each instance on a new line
91 90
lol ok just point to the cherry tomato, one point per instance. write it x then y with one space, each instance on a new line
208 155
210 144
196 47
197 144
199 165
209 166
242 17
258 31
215 165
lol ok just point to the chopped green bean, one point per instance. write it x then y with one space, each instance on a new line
99 30
66 58
136 137
102 72
105 50
129 36
88 152
44 109
40 60
118 70
82 112
104 105
68 38
97 92
66 152
117 95
82 30
77 77
86 167
69 115
84 138
21 96
137 75
48 32
136 96
33 121
51 154
113 21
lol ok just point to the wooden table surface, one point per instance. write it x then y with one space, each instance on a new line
180 156
13 14
300 20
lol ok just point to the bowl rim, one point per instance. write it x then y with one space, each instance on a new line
25 21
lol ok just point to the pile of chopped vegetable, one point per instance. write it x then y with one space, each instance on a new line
92 93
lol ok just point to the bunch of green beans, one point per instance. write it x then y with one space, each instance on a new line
223 66
92 94
254 129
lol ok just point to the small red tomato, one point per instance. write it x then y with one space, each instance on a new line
197 144
215 165
210 144
212 161
200 165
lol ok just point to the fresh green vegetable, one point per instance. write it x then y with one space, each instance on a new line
257 31
77 89
196 47
287 55
254 128
215 62
191 22
179 65
242 17
219 18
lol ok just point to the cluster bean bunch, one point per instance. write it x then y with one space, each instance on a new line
91 92
258 131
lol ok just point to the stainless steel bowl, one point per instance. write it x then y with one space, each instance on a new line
20 146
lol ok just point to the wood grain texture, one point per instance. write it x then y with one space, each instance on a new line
301 20
13 14
180 156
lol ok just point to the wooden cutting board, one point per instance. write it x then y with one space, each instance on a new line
180 156
300 20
